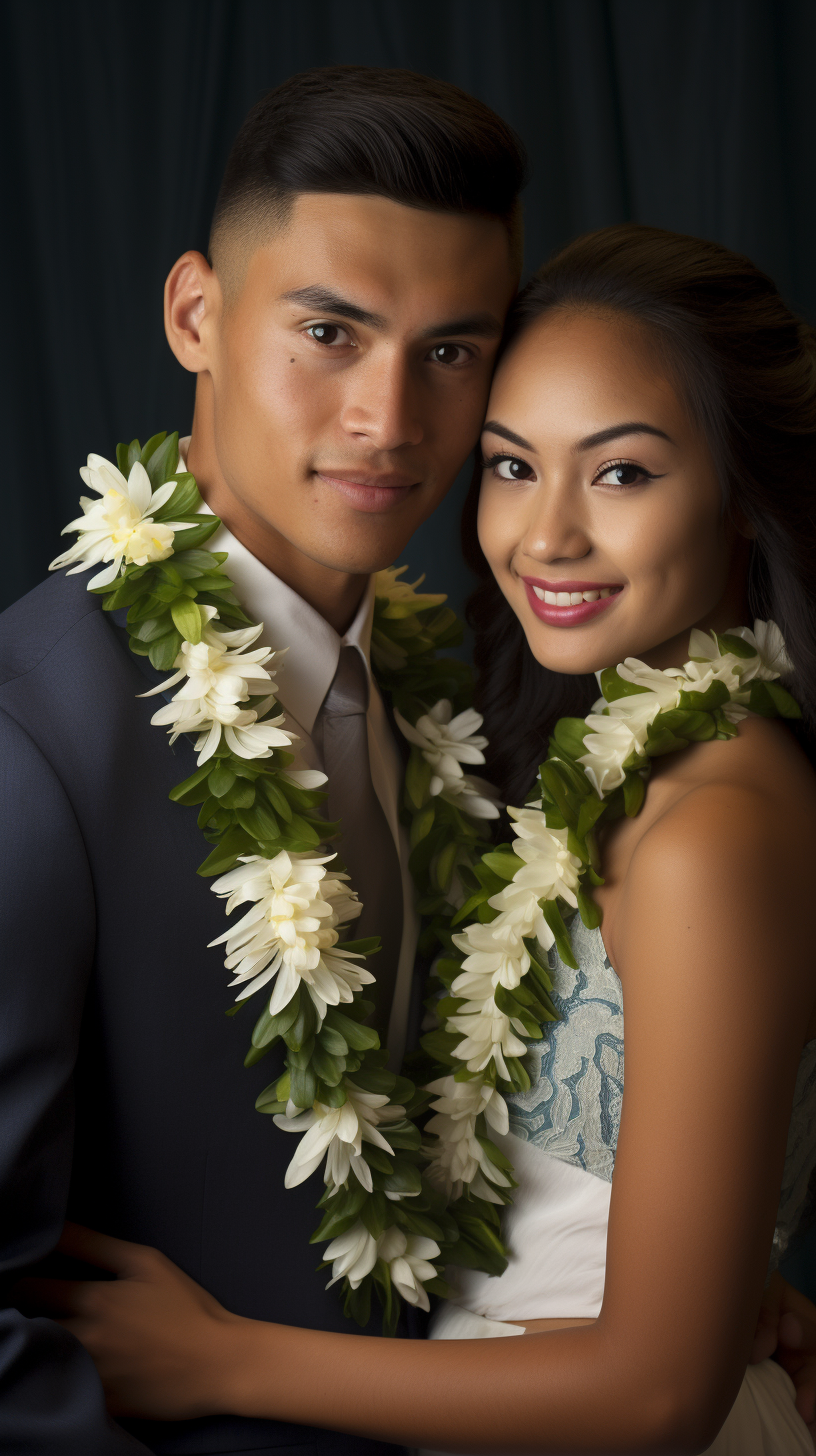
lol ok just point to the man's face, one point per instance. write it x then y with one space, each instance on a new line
348 375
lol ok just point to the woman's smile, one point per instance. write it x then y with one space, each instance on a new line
568 603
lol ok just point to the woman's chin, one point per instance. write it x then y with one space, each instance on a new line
576 651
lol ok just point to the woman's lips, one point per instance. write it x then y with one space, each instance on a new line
569 603
372 493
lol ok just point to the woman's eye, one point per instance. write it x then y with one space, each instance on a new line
328 334
509 467
450 354
621 474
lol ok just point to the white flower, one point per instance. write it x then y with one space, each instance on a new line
708 664
218 672
488 1035
474 796
305 778
290 932
618 734
458 1157
353 1254
495 954
407 1257
446 742
120 526
661 685
769 644
550 867
339 1134
609 745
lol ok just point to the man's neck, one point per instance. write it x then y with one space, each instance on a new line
334 594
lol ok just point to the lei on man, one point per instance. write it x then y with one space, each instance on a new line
401 1201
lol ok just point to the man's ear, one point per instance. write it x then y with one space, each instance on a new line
192 306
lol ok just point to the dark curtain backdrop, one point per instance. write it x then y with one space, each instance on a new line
696 115
118 114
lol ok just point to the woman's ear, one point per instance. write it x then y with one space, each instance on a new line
192 306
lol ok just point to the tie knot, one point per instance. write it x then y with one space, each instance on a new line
348 694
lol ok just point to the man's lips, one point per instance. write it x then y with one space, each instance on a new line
569 603
369 491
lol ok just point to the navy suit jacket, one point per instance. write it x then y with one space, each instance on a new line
124 1102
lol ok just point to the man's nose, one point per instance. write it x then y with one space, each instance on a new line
384 402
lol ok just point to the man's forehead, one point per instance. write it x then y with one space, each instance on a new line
378 259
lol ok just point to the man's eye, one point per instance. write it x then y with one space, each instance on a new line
450 354
509 467
328 334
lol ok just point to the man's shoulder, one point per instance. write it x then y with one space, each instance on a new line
49 618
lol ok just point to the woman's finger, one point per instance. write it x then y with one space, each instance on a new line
116 1255
54 1296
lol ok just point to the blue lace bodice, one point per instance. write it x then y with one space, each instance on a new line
572 1111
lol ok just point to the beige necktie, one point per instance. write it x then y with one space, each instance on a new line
367 844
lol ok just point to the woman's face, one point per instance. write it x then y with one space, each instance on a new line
600 510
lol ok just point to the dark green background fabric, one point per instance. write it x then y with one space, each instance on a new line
117 117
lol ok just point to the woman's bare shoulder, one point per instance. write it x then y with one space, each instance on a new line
740 796
722 866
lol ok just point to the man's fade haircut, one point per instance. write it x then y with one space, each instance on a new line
366 130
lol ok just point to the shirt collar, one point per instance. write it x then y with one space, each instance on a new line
308 667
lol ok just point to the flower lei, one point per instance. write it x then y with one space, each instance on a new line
495 982
387 1225
399 1204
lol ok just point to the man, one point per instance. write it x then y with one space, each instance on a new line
364 251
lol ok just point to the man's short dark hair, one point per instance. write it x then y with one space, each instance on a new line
369 130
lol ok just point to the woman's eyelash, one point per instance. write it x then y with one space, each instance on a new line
625 465
497 460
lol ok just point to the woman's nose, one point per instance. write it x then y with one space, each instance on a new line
556 530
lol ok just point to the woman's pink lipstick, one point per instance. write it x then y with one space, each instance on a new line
593 597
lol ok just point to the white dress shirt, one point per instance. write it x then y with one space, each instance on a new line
304 676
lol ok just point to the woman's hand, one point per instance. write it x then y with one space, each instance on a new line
158 1340
167 1350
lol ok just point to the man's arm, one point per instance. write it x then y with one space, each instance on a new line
50 1395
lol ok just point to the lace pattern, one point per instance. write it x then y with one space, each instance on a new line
572 1110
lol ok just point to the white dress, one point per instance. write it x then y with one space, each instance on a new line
562 1142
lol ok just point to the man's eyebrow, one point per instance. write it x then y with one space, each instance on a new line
324 301
630 427
496 429
483 325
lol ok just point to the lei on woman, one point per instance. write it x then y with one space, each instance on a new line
400 1201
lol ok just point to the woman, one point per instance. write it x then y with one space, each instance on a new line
649 465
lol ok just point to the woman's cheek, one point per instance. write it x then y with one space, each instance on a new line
498 532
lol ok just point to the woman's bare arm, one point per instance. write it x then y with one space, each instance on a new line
718 989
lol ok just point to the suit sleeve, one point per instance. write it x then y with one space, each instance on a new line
51 1399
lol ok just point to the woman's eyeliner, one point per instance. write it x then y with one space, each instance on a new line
492 462
623 466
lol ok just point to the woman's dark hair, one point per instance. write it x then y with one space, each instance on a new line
746 367
373 130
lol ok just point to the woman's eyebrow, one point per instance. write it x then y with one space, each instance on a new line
496 429
631 427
